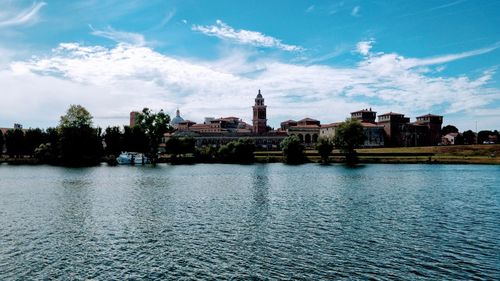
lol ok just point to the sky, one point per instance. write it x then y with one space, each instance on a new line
317 59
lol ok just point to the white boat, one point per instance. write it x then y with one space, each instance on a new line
132 158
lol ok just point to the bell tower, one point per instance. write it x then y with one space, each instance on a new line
259 115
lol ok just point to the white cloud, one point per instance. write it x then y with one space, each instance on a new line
310 9
23 17
364 47
448 58
223 31
111 82
167 18
355 11
120 36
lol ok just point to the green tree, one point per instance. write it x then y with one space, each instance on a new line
206 154
134 139
33 138
348 137
448 129
484 136
324 147
113 140
176 146
14 141
80 144
240 151
155 125
469 137
76 117
293 150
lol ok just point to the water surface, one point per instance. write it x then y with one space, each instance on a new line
250 221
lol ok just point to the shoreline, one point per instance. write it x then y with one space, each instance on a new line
434 160
457 154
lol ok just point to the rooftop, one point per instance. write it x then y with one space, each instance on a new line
391 113
429 115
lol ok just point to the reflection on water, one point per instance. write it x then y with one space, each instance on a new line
250 221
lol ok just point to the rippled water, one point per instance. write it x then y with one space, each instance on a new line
256 221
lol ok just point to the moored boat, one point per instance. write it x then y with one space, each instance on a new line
132 158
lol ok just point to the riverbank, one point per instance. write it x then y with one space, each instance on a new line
457 154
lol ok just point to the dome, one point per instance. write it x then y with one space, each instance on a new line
259 95
177 119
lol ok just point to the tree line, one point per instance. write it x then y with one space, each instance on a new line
469 137
75 142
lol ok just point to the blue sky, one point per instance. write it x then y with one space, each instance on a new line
318 59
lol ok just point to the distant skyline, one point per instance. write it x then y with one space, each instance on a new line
317 59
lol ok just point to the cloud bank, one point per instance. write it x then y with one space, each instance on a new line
111 82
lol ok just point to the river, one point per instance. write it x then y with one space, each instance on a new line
261 221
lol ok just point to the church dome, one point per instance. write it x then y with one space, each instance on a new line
177 119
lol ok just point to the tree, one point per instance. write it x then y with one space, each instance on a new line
469 137
134 139
179 146
76 116
14 140
33 138
240 151
80 144
348 137
293 150
448 129
324 147
2 142
113 140
155 125
206 154
483 136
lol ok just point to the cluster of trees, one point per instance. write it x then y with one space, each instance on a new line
239 151
75 142
469 137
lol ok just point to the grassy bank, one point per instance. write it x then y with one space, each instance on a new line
457 154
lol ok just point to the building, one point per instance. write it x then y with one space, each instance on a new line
374 133
449 139
433 124
400 132
133 118
259 119
307 130
176 120
219 131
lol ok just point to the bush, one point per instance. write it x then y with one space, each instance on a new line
293 150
